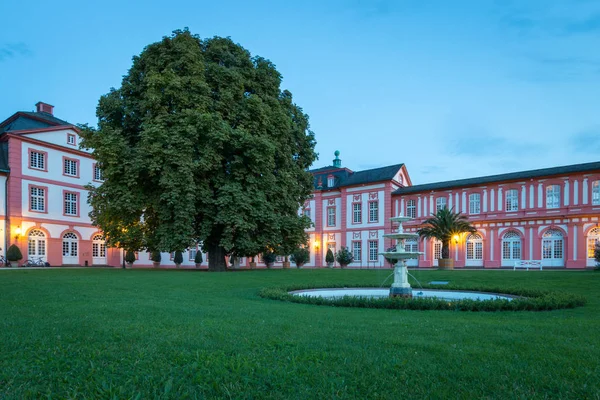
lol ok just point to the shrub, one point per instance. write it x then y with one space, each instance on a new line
300 256
597 255
329 257
198 257
269 257
155 256
527 300
129 257
344 256
178 259
14 253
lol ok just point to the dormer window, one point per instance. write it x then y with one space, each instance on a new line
330 181
71 139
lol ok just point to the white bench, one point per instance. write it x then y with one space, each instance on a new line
528 264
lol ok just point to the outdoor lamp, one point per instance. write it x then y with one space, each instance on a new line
17 232
455 237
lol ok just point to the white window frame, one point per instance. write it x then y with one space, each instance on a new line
70 203
98 173
440 203
373 250
37 160
475 203
37 199
596 193
331 216
511 202
357 251
374 211
70 167
553 196
330 181
411 208
356 213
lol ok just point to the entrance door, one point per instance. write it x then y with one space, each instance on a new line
474 250
98 250
553 249
70 247
36 245
511 249
437 252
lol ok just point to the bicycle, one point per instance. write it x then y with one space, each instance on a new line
35 263
4 262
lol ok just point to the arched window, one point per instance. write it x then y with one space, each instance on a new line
592 238
552 248
474 247
98 247
36 244
511 246
70 242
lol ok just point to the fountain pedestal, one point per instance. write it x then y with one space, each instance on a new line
401 287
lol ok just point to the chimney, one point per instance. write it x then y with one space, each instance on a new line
337 162
44 108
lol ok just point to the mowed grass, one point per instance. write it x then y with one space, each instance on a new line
103 333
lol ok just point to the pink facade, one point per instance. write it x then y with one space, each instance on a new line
551 215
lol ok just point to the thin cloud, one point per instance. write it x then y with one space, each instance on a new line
587 141
12 50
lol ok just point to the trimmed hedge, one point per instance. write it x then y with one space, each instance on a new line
527 300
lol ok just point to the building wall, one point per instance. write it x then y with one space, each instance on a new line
574 217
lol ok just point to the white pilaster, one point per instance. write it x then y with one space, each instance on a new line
485 200
492 202
419 207
464 202
575 192
431 209
450 201
575 242
566 194
402 209
584 196
456 205
540 195
531 256
499 199
523 197
531 193
492 238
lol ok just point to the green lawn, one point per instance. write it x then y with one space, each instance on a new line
105 333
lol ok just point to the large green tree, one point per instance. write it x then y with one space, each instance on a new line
200 144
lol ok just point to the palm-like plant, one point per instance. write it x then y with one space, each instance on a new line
443 225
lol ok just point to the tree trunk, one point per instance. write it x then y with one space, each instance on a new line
446 249
216 258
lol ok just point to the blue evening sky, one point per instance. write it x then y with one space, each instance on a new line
453 89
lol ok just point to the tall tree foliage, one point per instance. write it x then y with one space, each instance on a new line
200 144
443 225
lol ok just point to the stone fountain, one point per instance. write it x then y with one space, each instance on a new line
401 287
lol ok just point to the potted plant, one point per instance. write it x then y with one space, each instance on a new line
155 257
178 258
344 257
286 262
300 256
198 258
329 259
269 258
252 263
597 255
14 254
129 258
442 226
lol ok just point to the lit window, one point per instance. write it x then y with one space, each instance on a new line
552 196
411 209
70 167
474 247
373 211
592 240
596 193
70 203
330 216
69 245
357 251
511 246
37 160
512 200
98 173
474 203
373 250
357 213
440 203
37 199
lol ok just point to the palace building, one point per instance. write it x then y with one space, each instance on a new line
550 214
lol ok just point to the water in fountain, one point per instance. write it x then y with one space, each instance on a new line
401 287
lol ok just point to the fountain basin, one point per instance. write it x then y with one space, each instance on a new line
449 295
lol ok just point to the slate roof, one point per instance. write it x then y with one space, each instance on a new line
4 157
30 120
534 173
346 177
